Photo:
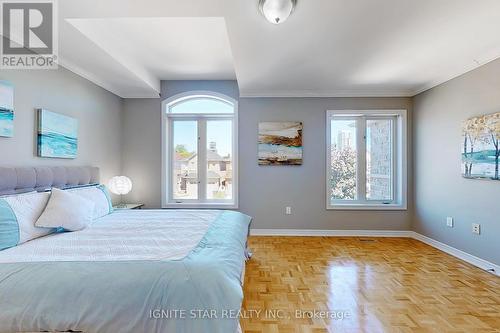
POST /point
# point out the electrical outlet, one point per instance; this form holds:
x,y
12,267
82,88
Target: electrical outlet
x,y
449,222
288,210
476,228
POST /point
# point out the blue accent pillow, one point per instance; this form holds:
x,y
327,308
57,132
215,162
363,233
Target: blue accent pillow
x,y
106,193
9,227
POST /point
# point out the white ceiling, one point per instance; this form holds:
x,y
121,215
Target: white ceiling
x,y
327,48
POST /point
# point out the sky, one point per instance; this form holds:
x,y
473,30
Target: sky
x,y
219,131
202,105
348,126
343,126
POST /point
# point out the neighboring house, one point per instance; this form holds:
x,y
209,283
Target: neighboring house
x,y
219,174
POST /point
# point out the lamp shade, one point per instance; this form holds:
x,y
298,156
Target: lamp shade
x,y
277,11
120,185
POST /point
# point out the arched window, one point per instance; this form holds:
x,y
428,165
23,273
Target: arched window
x,y
200,150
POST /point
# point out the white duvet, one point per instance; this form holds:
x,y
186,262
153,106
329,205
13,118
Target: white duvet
x,y
122,235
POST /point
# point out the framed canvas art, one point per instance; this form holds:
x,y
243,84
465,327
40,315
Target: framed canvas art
x,y
57,135
6,109
280,143
480,147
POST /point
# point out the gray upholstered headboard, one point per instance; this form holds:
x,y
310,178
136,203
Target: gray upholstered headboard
x,y
19,180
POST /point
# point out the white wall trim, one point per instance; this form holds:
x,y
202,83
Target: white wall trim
x,y
330,233
167,151
325,94
399,119
469,68
469,258
89,77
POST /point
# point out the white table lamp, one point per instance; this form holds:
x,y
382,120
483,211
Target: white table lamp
x,y
120,185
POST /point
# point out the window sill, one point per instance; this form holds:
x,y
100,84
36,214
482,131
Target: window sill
x,y
366,207
186,205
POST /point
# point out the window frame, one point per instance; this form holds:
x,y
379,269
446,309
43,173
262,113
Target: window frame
x,y
168,120
400,159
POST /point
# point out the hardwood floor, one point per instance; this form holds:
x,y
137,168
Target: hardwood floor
x,y
364,285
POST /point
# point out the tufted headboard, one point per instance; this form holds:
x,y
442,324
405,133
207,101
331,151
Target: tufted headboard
x,y
19,180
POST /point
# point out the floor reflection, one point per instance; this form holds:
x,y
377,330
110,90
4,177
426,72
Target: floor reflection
x,y
388,285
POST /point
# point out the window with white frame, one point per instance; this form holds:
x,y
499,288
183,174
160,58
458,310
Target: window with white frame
x,y
200,150
366,159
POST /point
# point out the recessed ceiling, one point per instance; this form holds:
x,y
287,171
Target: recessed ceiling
x,y
326,48
166,47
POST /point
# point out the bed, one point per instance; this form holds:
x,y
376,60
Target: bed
x,y
129,271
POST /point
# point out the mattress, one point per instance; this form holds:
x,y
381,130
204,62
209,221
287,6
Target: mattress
x,y
122,236
127,269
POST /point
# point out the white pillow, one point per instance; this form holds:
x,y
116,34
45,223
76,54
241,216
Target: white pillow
x,y
27,208
66,210
99,196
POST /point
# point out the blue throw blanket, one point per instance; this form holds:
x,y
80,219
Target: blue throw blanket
x,y
200,293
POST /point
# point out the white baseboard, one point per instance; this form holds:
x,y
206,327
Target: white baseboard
x,y
473,260
478,262
330,233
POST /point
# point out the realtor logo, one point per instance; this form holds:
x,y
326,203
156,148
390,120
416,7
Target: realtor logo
x,y
29,39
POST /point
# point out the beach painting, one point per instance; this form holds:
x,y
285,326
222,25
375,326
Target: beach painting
x,y
57,135
280,143
6,109
481,147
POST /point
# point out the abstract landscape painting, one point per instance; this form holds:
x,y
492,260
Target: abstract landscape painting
x,y
57,135
280,143
6,109
481,148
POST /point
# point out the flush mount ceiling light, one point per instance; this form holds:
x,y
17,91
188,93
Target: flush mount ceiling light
x,y
277,11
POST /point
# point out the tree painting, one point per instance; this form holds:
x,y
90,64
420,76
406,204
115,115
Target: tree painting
x,y
481,147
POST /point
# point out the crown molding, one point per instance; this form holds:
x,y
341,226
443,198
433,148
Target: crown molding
x,y
88,76
438,82
313,94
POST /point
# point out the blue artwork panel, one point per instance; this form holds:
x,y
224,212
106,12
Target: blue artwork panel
x,y
6,109
57,135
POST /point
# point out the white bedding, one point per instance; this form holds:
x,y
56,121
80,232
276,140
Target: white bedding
x,y
122,235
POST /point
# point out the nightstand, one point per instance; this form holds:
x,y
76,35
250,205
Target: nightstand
x,y
128,206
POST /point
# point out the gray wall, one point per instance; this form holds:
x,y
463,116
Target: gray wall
x,y
142,142
440,191
263,191
171,88
142,150
266,190
97,110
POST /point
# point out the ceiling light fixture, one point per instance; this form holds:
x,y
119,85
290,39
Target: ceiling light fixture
x,y
277,11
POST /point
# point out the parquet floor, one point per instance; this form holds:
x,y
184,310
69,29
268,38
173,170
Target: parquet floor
x,y
382,285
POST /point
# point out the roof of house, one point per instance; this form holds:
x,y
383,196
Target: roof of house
x,y
180,157
210,174
212,156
